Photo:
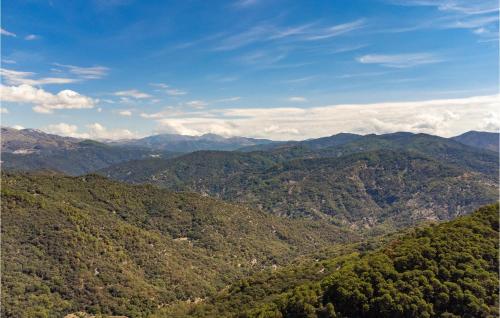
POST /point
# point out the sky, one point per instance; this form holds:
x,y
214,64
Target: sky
x,y
278,69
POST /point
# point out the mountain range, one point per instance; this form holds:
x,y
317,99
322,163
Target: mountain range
x,y
180,226
363,181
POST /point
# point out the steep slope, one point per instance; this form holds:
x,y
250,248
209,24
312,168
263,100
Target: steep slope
x,y
445,270
479,139
183,143
359,189
87,243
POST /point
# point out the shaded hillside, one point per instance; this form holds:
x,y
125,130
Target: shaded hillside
x,y
87,243
82,157
479,139
442,149
362,189
444,270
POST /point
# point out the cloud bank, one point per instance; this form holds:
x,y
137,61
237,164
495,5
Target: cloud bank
x,y
443,117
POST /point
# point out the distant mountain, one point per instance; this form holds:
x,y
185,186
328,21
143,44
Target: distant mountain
x,y
183,143
89,244
480,139
25,141
317,143
397,179
29,149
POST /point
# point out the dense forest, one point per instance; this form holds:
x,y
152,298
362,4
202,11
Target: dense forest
x,y
441,270
87,243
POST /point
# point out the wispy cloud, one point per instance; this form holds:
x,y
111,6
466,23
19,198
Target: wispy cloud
x,y
297,99
31,37
481,17
461,6
125,112
175,92
266,32
245,3
12,77
168,90
197,104
7,33
300,79
337,30
92,72
134,93
227,100
400,60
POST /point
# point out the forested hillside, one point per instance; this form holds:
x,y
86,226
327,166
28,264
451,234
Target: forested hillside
x,y
442,270
360,189
87,243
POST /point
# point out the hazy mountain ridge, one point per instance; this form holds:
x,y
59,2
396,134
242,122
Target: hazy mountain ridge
x,y
30,150
480,139
33,141
184,143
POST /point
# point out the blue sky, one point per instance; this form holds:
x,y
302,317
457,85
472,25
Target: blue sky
x,y
280,69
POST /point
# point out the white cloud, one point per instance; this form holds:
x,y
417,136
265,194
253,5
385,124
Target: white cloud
x,y
461,6
43,101
444,117
337,30
266,32
297,99
93,131
197,103
457,14
12,77
4,110
400,60
31,37
92,72
229,99
7,33
160,85
98,131
7,61
132,93
125,112
18,127
175,92
168,90
64,129
245,3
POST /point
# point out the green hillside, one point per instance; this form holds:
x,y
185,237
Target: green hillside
x,y
444,270
87,243
358,189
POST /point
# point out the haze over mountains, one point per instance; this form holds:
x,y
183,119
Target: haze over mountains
x,y
30,149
